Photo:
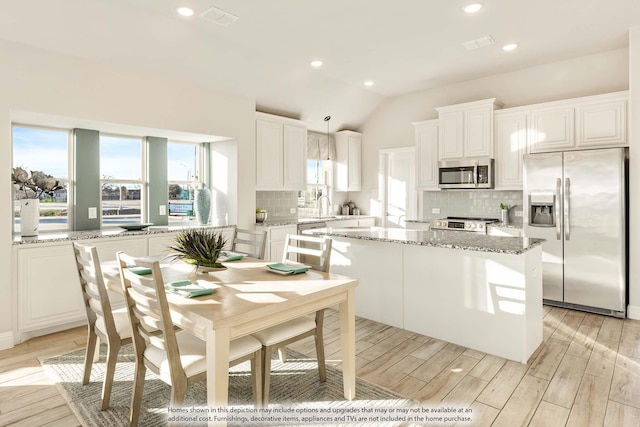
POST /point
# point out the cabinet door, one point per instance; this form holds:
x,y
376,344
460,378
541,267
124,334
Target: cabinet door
x,y
160,245
107,248
355,162
451,132
269,155
478,132
601,125
426,138
295,157
49,291
551,129
511,144
367,222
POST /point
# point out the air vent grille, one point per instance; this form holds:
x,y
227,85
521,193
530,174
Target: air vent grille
x,y
218,16
479,42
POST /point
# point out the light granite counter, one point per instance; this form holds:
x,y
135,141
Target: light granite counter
x,y
436,238
50,237
309,220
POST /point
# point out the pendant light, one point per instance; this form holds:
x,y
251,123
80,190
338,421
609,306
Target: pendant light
x,y
327,119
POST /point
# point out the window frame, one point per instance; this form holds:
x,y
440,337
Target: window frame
x,y
197,181
117,181
69,181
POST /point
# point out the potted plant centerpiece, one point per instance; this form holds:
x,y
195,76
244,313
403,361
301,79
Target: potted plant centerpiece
x,y
199,247
29,188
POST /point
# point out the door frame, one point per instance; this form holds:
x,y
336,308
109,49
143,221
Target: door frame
x,y
383,162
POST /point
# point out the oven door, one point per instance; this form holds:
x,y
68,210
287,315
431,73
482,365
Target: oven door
x,y
466,174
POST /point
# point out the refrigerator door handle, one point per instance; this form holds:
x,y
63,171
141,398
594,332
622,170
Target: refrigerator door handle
x,y
558,184
567,213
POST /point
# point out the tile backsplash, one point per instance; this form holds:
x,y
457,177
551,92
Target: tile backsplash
x,y
474,203
278,204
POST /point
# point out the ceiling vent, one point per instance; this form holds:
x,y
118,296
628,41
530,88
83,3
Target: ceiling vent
x,y
218,16
479,42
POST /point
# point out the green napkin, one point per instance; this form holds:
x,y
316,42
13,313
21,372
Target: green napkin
x,y
230,256
139,270
183,288
289,269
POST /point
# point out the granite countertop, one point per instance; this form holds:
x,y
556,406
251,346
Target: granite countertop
x,y
62,236
436,238
310,220
495,224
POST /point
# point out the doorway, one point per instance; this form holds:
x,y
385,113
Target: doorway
x,y
397,186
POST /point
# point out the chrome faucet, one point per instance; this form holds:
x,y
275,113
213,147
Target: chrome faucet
x,y
320,204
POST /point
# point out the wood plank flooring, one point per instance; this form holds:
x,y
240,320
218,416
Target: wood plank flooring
x,y
586,373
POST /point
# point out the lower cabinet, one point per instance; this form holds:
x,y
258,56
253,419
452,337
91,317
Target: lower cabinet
x,y
48,287
415,225
493,230
276,237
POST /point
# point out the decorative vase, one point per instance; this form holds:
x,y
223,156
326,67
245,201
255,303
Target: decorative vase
x,y
202,205
504,216
29,217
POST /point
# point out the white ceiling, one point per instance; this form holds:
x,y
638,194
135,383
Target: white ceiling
x,y
403,46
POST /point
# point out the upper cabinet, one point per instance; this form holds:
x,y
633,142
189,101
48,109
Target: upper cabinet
x,y
348,161
466,130
281,153
511,136
591,122
426,139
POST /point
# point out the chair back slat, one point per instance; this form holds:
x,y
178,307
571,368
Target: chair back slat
x,y
316,250
250,242
149,312
94,291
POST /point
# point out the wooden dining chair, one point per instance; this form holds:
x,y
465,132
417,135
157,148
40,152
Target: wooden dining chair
x,y
104,324
250,242
317,252
177,358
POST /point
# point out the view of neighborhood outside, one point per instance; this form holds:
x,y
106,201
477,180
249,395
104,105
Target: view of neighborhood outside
x,y
47,150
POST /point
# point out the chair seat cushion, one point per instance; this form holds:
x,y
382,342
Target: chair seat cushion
x,y
193,354
284,331
121,320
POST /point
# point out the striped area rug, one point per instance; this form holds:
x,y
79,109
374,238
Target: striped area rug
x,y
296,392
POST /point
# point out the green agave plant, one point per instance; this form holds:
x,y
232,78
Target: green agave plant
x,y
200,247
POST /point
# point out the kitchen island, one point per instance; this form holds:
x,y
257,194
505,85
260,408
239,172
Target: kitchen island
x,y
478,291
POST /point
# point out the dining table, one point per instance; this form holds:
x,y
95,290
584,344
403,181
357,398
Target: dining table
x,y
248,297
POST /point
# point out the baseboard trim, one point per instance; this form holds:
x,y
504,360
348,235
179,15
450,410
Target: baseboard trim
x,y
6,340
633,312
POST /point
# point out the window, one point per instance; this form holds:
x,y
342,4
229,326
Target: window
x,y
121,182
43,152
184,174
319,181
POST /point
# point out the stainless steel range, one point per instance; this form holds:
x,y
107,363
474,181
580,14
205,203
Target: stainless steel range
x,y
455,223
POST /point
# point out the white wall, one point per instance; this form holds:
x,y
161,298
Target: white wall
x,y
390,125
37,81
634,173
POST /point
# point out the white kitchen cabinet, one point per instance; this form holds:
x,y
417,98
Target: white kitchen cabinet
x,y
602,124
426,140
598,121
48,289
366,222
511,137
276,237
552,128
281,153
348,161
466,130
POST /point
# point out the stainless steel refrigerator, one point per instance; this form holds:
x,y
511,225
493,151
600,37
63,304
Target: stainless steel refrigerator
x,y
576,200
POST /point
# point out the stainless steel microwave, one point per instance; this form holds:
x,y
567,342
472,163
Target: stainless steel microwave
x,y
466,173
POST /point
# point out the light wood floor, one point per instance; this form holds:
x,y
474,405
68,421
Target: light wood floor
x,y
586,373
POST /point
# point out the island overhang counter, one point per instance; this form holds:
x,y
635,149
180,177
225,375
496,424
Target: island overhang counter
x,y
478,291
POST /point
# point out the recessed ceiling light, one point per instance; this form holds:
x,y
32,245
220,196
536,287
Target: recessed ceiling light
x,y
473,7
316,63
509,47
368,83
185,11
